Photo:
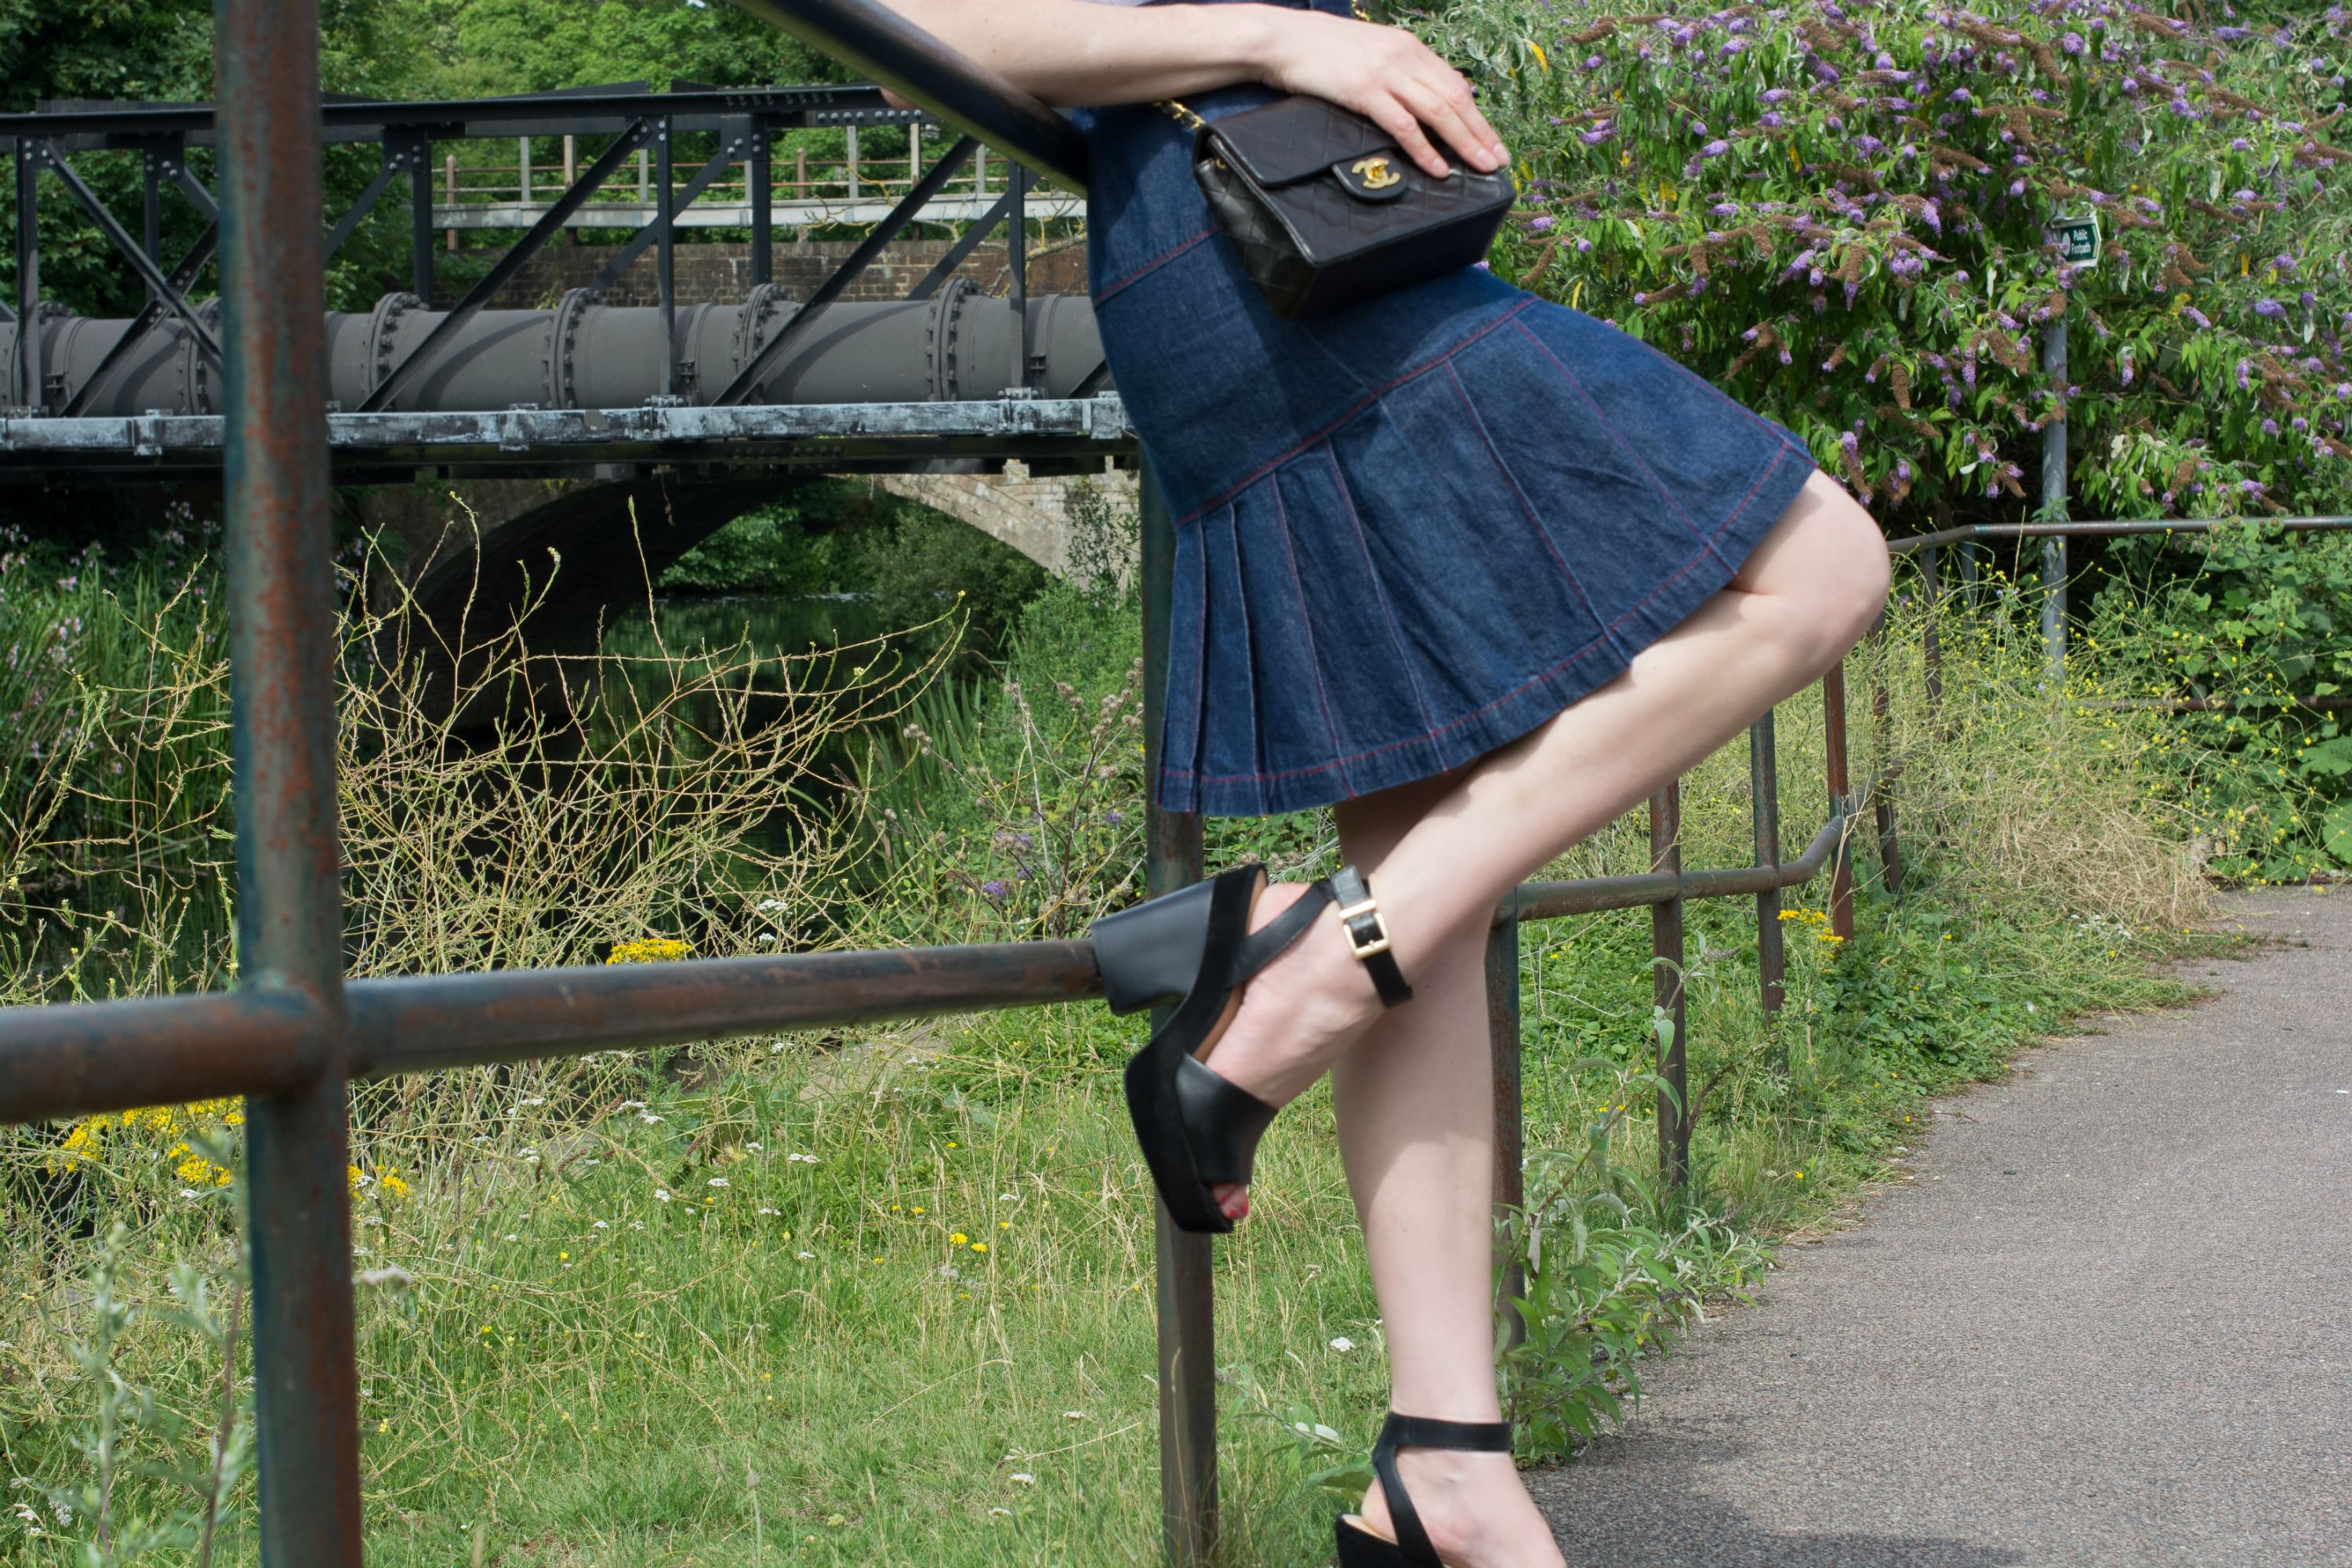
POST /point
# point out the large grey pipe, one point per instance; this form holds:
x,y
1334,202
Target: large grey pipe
x,y
959,344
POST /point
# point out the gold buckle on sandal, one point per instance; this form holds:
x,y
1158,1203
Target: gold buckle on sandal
x,y
1347,918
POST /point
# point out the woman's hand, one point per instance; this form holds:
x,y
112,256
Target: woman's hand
x,y
1390,77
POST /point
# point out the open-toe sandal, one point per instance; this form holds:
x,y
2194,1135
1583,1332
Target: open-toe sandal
x,y
1359,1547
1194,947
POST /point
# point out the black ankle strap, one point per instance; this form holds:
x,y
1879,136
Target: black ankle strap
x,y
1347,887
1425,1432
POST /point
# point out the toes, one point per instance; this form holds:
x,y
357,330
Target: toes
x,y
1232,1201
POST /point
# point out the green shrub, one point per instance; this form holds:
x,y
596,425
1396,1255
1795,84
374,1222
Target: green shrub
x,y
1836,215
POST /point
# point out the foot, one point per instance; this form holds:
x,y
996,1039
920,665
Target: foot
x,y
1297,1016
1475,1506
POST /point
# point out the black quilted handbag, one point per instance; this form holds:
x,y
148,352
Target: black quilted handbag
x,y
1326,210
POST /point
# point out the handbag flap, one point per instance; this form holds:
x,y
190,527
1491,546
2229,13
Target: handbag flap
x,y
1288,140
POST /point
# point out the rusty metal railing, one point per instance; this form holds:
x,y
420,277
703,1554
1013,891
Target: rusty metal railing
x,y
293,1036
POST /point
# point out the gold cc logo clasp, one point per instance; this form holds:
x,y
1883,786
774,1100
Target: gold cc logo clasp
x,y
1375,172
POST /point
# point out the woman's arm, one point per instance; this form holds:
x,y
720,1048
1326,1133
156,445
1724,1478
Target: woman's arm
x,y
1080,51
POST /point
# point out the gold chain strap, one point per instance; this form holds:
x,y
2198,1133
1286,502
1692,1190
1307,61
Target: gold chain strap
x,y
1178,111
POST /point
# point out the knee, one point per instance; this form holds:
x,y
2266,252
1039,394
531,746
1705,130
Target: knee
x,y
1851,576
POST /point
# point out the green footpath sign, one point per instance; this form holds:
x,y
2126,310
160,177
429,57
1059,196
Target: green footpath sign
x,y
2077,238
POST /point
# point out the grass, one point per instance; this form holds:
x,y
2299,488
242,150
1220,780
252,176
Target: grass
x,y
708,1305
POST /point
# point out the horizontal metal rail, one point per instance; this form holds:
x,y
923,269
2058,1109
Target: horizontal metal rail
x,y
1911,542
906,433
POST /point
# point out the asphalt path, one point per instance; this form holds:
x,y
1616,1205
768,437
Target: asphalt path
x,y
2107,1320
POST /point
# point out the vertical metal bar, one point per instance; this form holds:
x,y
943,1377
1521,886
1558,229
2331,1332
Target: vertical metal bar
x,y
851,163
759,182
570,159
2054,509
449,189
666,251
151,207
1016,246
420,215
1764,789
1666,991
1931,637
1510,1116
1185,1288
281,652
28,367
1841,799
1890,849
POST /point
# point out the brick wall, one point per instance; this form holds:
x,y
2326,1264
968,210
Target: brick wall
x,y
721,274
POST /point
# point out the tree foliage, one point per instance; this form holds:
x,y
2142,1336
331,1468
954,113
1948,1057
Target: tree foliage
x,y
1836,213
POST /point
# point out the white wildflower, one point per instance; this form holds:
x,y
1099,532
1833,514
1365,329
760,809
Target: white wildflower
x,y
1343,1344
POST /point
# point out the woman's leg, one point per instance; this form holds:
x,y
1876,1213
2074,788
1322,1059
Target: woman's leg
x,y
1415,1097
1415,1101
1803,599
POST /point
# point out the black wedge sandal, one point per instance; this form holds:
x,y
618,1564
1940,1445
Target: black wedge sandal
x,y
1196,1129
1359,1547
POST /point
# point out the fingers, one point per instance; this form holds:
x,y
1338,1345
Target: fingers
x,y
1448,109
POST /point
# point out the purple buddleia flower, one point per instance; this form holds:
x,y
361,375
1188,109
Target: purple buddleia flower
x,y
2245,367
1583,246
1772,95
1592,62
2196,315
1715,149
1594,137
2270,307
2071,43
993,890
2251,486
2130,85
1540,225
1725,209
1770,120
2269,428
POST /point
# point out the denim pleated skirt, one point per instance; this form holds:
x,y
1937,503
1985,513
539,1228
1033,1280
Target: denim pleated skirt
x,y
1409,532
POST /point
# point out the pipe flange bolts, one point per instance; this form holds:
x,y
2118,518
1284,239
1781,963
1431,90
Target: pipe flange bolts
x,y
384,328
941,332
767,310
561,367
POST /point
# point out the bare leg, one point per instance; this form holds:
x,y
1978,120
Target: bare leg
x,y
1801,600
1414,1099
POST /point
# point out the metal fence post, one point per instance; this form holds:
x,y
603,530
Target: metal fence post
x,y
29,372
1890,847
1841,799
281,652
1184,1287
1666,990
2054,507
1510,1124
1764,792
